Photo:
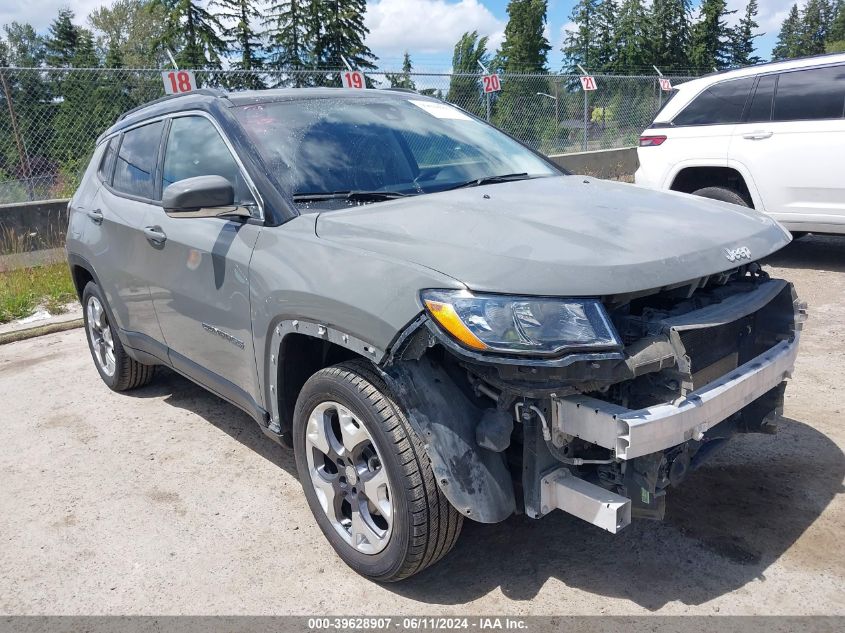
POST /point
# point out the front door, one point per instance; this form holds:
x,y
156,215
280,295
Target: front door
x,y
199,271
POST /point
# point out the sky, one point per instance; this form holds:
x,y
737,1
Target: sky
x,y
428,29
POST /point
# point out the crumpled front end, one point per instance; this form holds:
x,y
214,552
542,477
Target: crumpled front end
x,y
604,434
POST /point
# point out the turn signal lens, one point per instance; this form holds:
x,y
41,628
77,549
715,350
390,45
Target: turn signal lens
x,y
449,320
651,141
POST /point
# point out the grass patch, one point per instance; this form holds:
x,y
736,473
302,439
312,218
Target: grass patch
x,y
22,290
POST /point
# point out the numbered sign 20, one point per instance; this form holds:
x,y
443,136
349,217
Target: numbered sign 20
x,y
665,84
353,79
491,83
588,82
178,81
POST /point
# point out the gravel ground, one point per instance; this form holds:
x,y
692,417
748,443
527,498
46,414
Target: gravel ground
x,y
170,501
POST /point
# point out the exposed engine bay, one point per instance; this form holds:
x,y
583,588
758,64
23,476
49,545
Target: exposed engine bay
x,y
604,434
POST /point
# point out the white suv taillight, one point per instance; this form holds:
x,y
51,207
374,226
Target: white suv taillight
x,y
651,141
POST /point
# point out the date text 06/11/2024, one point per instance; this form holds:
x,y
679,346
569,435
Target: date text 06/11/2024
x,y
429,623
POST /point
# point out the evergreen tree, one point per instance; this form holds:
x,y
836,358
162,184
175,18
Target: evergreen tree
x,y
341,34
743,36
631,40
710,41
604,29
788,44
403,80
196,28
669,34
464,87
836,36
579,46
240,37
134,27
62,40
815,23
291,37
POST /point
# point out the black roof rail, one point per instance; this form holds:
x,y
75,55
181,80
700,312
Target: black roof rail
x,y
209,92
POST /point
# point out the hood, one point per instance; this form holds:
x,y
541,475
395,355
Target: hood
x,y
566,235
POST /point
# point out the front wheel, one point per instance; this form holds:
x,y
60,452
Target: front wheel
x,y
366,476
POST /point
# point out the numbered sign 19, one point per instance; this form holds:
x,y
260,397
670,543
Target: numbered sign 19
x,y
665,84
491,83
588,82
178,81
353,79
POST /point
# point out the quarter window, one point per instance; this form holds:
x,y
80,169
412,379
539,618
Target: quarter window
x,y
719,104
195,148
761,104
136,161
803,95
109,157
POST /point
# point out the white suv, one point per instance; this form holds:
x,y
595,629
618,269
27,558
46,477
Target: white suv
x,y
770,136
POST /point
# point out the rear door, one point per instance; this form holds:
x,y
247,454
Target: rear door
x,y
793,143
119,211
199,272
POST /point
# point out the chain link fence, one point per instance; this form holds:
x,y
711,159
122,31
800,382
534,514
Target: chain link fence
x,y
50,118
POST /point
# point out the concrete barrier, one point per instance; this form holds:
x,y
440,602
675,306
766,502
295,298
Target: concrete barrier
x,y
619,164
33,225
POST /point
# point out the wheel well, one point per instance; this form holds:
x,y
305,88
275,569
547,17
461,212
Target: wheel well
x,y
81,276
691,179
300,357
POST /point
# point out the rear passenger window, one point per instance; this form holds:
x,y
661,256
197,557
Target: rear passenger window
x,y
107,162
195,148
721,103
761,104
805,95
136,161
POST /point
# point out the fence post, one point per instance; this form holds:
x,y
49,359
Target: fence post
x,y
488,106
27,172
586,115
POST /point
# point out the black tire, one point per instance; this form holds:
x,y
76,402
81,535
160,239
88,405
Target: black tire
x,y
128,373
425,525
722,193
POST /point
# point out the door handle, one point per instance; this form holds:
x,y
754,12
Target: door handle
x,y
96,216
757,135
155,235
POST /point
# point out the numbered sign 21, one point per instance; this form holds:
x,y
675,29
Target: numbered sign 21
x,y
491,83
665,84
353,79
588,82
178,81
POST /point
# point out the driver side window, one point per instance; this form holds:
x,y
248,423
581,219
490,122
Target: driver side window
x,y
195,148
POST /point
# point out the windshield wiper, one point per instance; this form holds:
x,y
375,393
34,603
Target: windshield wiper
x,y
489,180
355,196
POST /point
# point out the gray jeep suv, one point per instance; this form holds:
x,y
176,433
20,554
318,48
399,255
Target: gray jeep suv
x,y
441,323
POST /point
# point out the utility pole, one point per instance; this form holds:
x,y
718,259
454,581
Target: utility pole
x,y
24,158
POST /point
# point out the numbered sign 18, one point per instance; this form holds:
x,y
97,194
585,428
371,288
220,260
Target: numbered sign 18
x,y
588,82
665,84
491,83
178,81
353,79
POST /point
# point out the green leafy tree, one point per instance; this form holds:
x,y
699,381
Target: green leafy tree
x,y
579,45
631,40
788,44
743,36
711,37
669,34
403,80
194,30
464,85
62,40
836,37
135,27
339,33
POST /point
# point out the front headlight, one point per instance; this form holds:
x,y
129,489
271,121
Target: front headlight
x,y
521,325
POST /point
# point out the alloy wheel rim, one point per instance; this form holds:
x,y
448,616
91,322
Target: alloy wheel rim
x,y
349,477
100,335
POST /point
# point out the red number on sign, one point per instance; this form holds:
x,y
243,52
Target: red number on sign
x,y
180,82
665,84
588,82
353,79
491,83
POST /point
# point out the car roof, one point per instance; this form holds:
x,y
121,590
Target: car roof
x,y
690,89
210,99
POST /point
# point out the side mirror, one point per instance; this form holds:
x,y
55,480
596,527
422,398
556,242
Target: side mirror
x,y
202,197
